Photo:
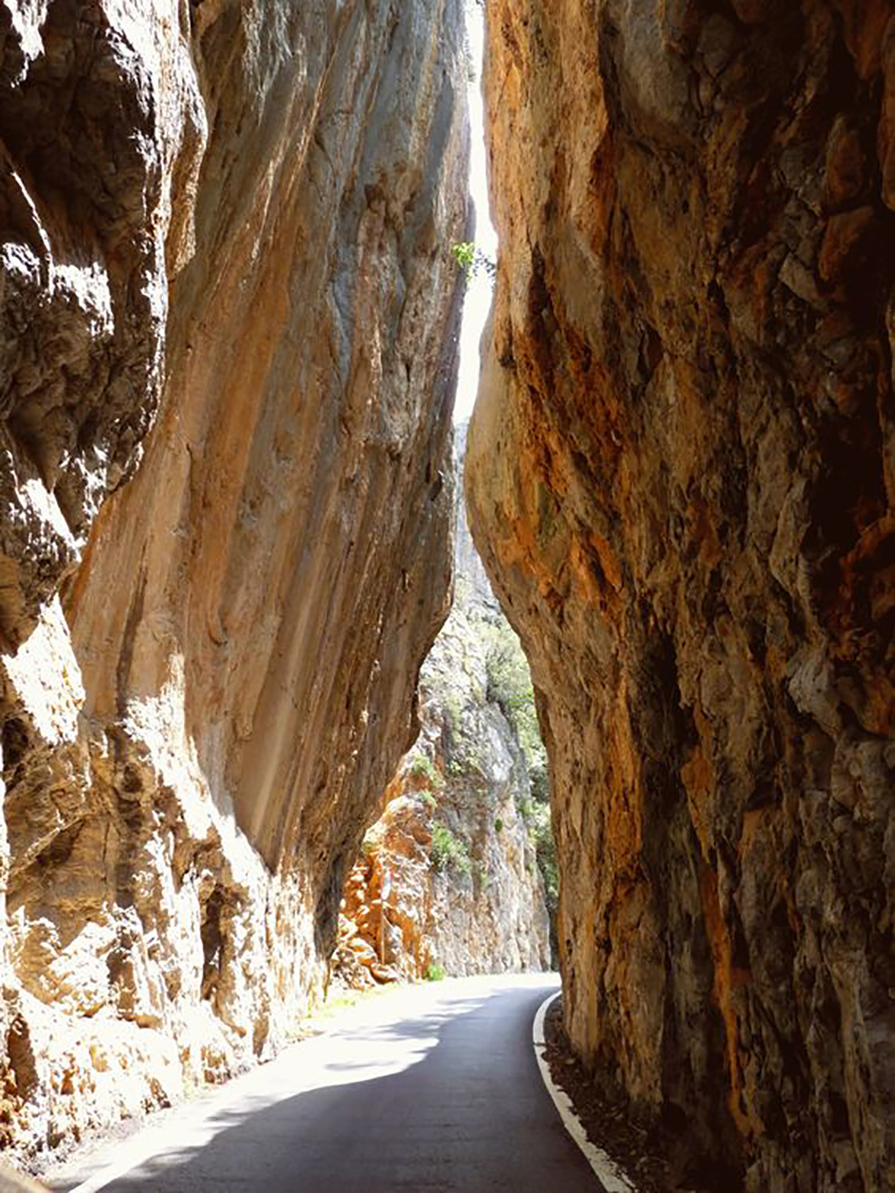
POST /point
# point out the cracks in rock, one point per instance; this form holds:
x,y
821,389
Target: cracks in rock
x,y
21,1058
128,640
15,747
212,935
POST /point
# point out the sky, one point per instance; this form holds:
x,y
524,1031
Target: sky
x,y
478,290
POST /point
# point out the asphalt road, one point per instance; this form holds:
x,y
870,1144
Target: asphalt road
x,y
436,1091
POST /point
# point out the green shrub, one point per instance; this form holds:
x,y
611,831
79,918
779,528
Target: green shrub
x,y
539,778
498,825
435,972
464,255
453,711
540,831
510,687
449,852
471,260
481,877
429,800
423,770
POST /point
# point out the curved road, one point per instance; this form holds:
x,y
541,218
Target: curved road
x,y
435,1089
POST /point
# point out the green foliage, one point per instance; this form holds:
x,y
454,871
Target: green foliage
x,y
435,972
509,680
498,825
464,255
367,846
453,712
539,777
424,770
449,852
472,260
481,877
510,686
429,800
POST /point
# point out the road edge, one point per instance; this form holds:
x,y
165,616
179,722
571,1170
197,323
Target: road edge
x,y
610,1175
98,1168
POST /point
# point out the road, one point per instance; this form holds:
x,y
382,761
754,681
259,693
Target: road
x,y
435,1090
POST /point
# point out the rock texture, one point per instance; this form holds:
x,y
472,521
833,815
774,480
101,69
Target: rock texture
x,y
681,476
102,129
448,879
242,212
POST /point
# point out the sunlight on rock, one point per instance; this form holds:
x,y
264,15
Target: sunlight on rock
x,y
271,729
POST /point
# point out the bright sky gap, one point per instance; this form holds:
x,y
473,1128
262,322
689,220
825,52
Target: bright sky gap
x,y
478,290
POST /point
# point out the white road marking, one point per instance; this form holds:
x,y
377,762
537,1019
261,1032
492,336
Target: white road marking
x,y
608,1172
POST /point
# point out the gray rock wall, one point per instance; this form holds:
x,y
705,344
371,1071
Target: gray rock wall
x,y
102,130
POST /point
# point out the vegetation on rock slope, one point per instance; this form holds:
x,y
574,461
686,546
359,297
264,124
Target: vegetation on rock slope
x,y
450,877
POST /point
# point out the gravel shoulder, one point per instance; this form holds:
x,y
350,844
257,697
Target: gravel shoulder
x,y
655,1157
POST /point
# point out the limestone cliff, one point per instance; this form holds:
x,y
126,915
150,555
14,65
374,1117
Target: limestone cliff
x,y
681,476
448,877
239,213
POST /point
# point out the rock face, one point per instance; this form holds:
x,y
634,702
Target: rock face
x,y
448,879
681,474
102,129
242,212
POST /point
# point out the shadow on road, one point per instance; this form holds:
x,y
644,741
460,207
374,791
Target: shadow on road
x,y
450,1100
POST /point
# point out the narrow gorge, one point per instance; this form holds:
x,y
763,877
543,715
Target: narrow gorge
x,y
261,735
457,874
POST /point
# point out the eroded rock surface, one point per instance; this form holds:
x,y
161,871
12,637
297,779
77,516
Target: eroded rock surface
x,y
681,474
102,129
193,734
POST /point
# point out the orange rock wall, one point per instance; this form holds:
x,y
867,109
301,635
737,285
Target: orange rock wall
x,y
681,474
